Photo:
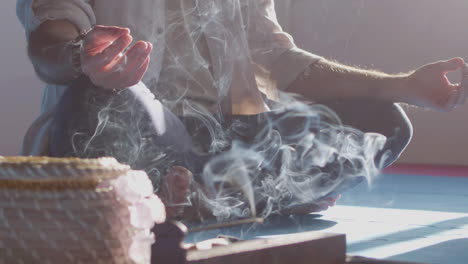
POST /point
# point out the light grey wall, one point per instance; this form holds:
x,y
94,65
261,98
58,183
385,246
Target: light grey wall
x,y
394,36
20,89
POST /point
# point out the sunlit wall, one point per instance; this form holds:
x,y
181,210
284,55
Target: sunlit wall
x,y
394,36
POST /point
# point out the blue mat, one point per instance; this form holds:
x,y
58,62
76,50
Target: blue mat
x,y
401,217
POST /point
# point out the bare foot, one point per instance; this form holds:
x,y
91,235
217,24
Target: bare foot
x,y
181,194
178,186
176,190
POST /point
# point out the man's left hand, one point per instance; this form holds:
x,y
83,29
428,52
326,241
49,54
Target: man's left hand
x,y
429,86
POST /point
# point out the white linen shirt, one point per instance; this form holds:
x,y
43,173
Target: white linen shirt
x,y
249,51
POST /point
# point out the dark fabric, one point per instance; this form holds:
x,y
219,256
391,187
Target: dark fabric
x,y
388,119
365,115
130,126
138,130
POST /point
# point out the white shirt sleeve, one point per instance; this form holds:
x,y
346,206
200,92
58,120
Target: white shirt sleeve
x,y
273,49
32,13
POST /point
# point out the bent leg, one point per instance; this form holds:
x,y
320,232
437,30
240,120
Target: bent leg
x,y
130,126
324,158
388,119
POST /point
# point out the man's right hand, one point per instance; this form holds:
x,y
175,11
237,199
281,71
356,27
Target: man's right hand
x,y
107,64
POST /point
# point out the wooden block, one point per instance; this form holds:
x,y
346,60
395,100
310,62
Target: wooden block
x,y
303,248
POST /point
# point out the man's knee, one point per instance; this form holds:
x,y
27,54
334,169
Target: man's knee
x,y
400,138
386,118
91,122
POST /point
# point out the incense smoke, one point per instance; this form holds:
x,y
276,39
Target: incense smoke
x,y
291,166
282,164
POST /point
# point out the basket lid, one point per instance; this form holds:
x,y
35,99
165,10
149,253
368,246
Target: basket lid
x,y
47,169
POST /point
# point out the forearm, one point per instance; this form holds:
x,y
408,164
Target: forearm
x,y
50,51
327,80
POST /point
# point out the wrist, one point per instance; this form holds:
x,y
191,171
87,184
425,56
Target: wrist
x,y
396,89
76,47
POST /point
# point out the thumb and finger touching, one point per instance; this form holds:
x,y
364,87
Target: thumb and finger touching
x,y
456,94
446,65
451,65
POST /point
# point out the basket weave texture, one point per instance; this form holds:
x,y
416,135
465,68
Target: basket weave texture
x,y
53,211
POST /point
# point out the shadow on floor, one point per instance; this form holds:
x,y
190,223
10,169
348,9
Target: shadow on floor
x,y
418,232
454,252
274,225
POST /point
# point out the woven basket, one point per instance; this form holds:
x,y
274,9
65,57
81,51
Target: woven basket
x,y
53,211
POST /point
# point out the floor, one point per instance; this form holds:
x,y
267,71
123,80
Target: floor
x,y
401,217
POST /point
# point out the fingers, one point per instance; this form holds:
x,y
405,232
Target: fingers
x,y
465,71
453,96
460,93
138,59
456,94
101,37
456,98
134,56
110,54
131,67
110,30
175,190
103,62
429,86
135,77
450,65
